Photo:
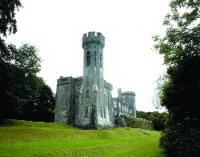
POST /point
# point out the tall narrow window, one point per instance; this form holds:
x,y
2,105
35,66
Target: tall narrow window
x,y
86,112
88,58
101,112
87,93
104,112
95,59
101,61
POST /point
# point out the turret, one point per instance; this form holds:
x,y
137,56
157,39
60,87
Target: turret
x,y
92,37
93,44
93,108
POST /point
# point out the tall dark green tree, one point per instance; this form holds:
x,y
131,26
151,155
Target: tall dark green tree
x,y
7,26
23,95
40,103
181,93
7,23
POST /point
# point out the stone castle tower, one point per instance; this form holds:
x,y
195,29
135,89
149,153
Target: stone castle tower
x,y
93,109
87,101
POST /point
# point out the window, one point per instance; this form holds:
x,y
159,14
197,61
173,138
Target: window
x,y
115,104
86,112
95,59
76,100
88,58
101,113
104,112
101,61
87,93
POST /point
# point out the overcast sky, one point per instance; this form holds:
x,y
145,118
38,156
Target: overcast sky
x,y
56,27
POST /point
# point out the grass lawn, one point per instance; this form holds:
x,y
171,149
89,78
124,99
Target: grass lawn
x,y
38,139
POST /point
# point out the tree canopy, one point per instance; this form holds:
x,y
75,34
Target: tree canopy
x,y
7,18
180,93
182,32
23,94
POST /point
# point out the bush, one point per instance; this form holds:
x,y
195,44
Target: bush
x,y
181,141
159,120
138,123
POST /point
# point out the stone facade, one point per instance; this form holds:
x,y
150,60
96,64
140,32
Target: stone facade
x,y
87,101
124,104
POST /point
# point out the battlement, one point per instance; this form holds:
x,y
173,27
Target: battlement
x,y
128,93
68,80
64,80
93,37
108,85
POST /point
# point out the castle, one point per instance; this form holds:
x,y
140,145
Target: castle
x,y
87,101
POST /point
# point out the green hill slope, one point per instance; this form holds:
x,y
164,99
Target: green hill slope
x,y
38,139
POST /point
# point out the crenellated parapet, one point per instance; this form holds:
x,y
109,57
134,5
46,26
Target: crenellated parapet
x,y
93,37
128,93
108,85
64,80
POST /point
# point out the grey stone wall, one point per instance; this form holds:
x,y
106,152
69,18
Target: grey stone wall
x,y
63,99
67,99
124,104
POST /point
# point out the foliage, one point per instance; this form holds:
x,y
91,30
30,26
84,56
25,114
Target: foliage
x,y
7,18
159,120
138,123
41,105
143,123
130,122
7,23
181,140
181,51
120,121
23,95
23,138
182,35
24,57
161,82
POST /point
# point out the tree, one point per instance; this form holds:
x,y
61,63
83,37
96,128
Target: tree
x,y
41,104
15,78
45,104
180,95
24,95
7,18
7,26
159,120
7,22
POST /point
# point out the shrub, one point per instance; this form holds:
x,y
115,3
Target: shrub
x,y
181,141
138,123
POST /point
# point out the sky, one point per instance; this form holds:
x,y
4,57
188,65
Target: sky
x,y
56,27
